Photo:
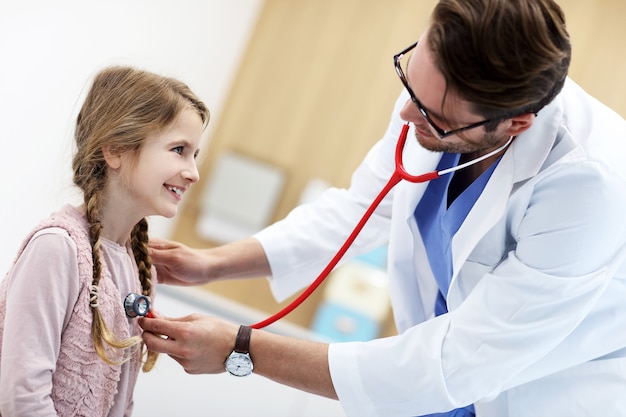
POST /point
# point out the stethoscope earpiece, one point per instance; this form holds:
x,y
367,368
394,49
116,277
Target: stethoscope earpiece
x,y
137,305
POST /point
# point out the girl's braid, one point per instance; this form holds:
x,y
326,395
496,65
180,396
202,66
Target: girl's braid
x,y
100,332
139,244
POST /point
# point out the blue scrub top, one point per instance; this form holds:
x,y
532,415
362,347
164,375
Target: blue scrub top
x,y
437,224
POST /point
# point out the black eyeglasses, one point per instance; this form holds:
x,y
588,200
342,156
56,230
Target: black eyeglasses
x,y
441,132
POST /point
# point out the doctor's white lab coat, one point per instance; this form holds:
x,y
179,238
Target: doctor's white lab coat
x,y
537,304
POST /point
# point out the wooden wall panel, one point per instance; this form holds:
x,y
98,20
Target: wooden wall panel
x,y
598,34
316,87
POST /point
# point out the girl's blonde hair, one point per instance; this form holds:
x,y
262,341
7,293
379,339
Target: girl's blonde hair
x,y
123,107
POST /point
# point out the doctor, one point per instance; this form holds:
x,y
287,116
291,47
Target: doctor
x,y
507,278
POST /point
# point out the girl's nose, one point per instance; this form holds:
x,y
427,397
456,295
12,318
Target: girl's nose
x,y
191,174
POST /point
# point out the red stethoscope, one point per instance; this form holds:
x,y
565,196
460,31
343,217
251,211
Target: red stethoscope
x,y
399,173
139,305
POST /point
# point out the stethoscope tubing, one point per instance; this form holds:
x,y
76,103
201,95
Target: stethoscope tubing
x,y
333,262
399,173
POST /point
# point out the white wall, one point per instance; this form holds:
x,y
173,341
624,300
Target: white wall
x,y
49,51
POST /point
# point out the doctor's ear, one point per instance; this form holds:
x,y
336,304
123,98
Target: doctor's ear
x,y
112,156
520,123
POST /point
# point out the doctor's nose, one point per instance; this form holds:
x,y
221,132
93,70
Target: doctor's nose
x,y
410,113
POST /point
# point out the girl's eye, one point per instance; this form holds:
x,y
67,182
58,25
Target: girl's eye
x,y
178,150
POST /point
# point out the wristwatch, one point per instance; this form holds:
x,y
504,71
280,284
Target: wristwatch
x,y
239,362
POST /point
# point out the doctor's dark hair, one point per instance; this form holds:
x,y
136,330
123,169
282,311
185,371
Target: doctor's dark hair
x,y
506,57
123,106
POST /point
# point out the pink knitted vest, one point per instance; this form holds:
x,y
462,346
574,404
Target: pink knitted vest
x,y
83,384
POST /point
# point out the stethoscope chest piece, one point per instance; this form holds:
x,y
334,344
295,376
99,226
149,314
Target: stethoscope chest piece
x,y
137,305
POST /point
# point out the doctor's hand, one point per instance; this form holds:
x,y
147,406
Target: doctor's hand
x,y
178,264
200,344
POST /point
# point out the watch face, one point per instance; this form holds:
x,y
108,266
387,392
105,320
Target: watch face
x,y
239,364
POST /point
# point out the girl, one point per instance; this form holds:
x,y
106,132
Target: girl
x,y
66,345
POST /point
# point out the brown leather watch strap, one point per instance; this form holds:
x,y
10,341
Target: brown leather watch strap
x,y
242,343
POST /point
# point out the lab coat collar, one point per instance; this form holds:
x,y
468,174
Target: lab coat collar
x,y
530,149
523,159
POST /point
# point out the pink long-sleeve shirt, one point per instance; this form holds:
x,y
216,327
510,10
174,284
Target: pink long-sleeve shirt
x,y
42,291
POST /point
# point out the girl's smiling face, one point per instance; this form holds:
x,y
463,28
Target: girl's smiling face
x,y
154,181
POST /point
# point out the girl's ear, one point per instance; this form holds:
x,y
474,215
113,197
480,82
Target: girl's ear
x,y
112,156
520,123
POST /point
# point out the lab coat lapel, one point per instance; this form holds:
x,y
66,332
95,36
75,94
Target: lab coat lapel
x,y
487,210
